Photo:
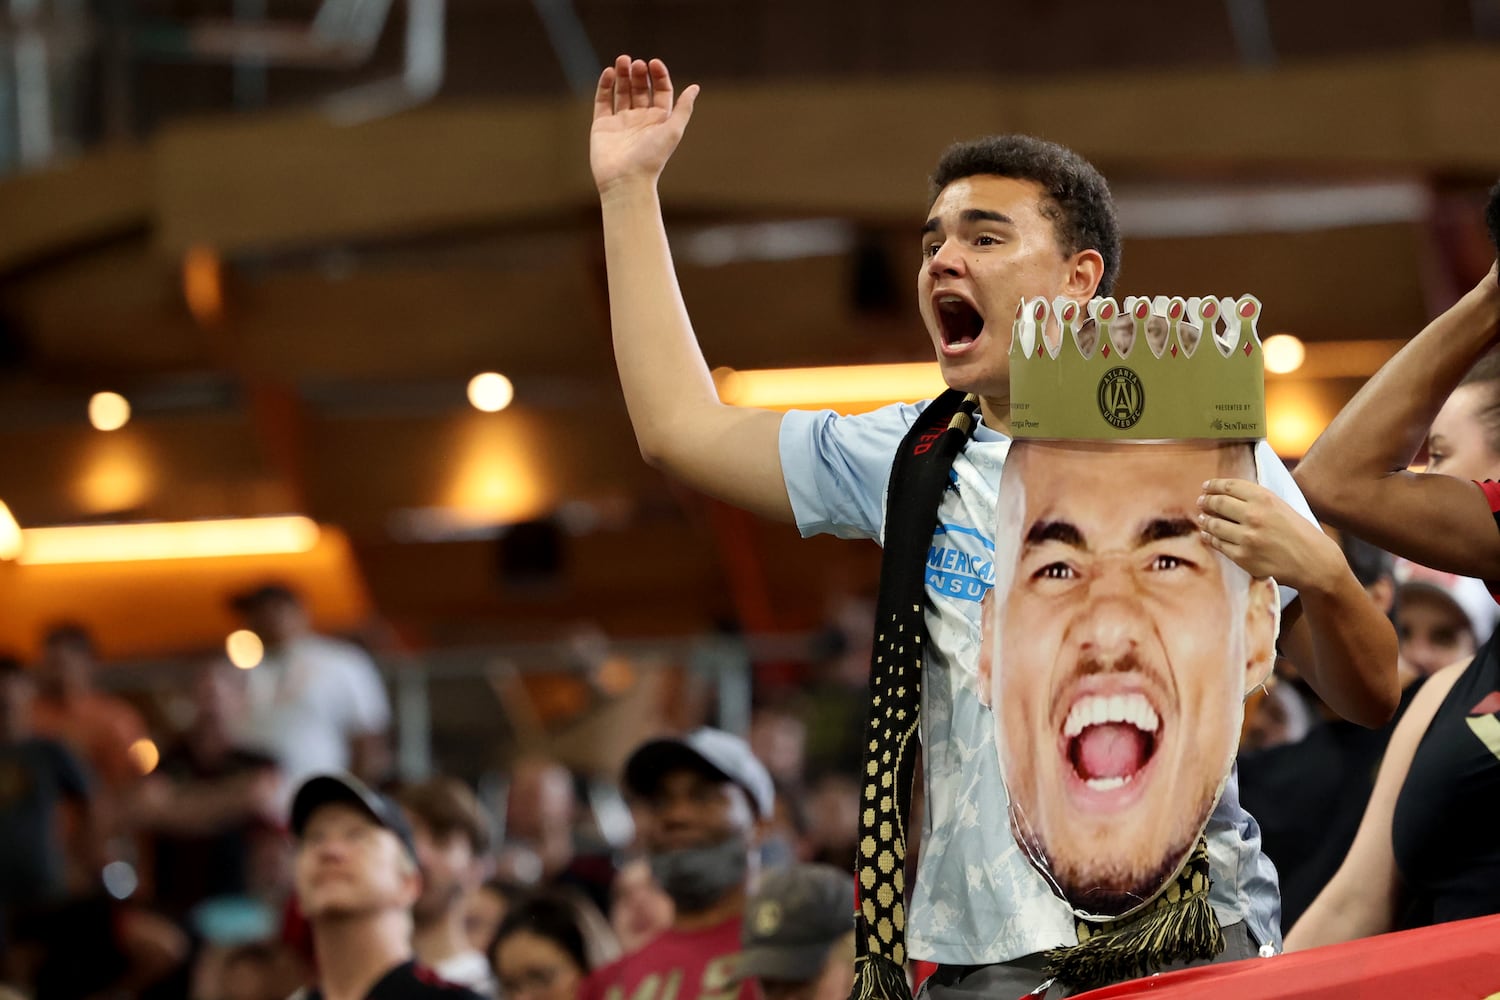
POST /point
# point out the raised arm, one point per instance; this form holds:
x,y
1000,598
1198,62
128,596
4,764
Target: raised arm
x,y
1360,900
1355,477
680,424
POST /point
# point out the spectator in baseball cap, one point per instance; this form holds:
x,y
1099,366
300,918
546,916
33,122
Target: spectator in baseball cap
x,y
798,934
701,803
1441,618
357,879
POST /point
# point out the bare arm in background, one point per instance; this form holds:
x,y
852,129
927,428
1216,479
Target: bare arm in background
x,y
1355,477
1360,900
681,426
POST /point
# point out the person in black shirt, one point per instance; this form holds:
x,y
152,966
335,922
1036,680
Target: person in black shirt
x,y
357,879
208,801
1426,850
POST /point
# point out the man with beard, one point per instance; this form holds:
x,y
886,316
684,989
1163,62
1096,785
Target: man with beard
x,y
451,834
1126,646
700,801
357,879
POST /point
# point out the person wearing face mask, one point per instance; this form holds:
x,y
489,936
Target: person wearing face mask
x,y
701,800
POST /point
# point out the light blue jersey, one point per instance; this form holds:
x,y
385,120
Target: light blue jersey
x,y
977,900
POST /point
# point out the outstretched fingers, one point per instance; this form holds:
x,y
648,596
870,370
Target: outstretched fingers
x,y
621,97
683,110
661,84
640,84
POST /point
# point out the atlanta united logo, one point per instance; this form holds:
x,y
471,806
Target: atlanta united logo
x,y
1121,398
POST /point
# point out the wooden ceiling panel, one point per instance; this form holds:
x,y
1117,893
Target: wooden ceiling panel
x,y
204,465
776,314
1335,284
119,308
417,322
506,466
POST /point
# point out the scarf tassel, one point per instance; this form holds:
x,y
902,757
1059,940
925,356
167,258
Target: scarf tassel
x,y
878,978
1183,933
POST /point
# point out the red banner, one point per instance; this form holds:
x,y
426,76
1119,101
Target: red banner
x,y
1457,961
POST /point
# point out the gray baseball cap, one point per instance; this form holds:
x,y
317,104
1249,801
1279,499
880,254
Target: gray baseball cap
x,y
792,921
719,752
345,789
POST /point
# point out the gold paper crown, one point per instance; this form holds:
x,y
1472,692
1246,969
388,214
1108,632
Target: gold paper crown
x,y
1157,369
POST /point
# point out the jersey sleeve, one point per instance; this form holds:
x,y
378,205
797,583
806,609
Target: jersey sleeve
x,y
836,468
1275,477
1492,495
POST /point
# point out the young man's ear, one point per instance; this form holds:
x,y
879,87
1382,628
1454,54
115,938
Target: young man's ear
x,y
1087,272
1262,616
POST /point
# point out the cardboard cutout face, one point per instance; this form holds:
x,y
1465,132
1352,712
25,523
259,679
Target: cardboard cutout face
x,y
1118,650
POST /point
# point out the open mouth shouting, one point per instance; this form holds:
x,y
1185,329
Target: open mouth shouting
x,y
959,321
1109,740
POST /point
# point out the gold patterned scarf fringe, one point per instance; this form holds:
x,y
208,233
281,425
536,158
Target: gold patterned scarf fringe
x,y
1179,926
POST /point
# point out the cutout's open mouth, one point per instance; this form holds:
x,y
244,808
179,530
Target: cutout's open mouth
x,y
1110,739
958,320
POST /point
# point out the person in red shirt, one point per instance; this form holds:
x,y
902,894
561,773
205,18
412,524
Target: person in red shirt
x,y
701,801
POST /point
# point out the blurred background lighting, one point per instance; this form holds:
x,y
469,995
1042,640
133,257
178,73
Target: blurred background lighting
x,y
10,533
108,411
1284,353
203,285
144,755
785,388
491,392
101,543
1291,430
120,879
244,649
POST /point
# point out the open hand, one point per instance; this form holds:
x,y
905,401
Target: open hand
x,y
1264,536
636,124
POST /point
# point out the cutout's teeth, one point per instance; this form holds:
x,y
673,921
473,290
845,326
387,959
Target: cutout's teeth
x,y
1098,710
1075,723
1117,709
1108,784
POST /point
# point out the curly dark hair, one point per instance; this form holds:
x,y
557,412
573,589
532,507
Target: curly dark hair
x,y
1078,200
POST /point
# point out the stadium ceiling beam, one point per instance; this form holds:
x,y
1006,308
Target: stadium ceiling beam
x,y
858,149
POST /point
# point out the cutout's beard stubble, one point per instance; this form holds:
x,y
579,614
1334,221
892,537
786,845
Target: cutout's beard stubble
x,y
1098,885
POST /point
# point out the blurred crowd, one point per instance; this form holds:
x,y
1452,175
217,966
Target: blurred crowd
x,y
182,873
158,861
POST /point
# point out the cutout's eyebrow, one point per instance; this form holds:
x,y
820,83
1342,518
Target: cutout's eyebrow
x,y
969,215
1055,531
1162,529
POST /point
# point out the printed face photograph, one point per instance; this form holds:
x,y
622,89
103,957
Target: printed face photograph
x,y
1188,335
1122,333
1156,333
1117,652
1088,337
